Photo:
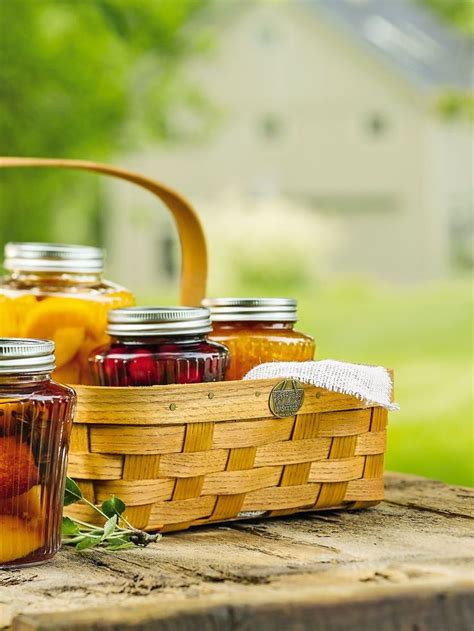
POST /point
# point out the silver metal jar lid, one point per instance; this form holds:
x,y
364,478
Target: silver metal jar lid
x,y
158,321
252,309
23,355
53,257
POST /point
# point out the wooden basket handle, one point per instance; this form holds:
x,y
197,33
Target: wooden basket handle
x,y
191,235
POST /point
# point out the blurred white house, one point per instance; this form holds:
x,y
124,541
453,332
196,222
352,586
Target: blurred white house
x,y
329,105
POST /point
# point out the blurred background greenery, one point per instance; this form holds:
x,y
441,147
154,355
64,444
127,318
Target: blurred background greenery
x,y
157,85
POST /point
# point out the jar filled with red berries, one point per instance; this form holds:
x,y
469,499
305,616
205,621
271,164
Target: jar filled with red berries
x,y
156,346
35,423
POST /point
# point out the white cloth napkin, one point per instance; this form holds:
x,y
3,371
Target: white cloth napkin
x,y
371,384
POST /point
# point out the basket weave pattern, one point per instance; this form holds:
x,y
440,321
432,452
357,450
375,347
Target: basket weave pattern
x,y
217,452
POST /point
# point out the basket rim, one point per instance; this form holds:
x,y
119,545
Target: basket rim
x,y
197,386
199,403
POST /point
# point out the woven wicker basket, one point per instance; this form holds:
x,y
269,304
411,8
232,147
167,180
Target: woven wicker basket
x,y
188,455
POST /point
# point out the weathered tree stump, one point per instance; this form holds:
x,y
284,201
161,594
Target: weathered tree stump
x,y
406,564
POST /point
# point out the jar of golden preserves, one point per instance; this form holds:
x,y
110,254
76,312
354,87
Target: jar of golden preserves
x,y
57,292
258,330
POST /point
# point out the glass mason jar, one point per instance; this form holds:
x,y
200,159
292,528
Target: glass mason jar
x,y
57,292
35,422
158,345
258,330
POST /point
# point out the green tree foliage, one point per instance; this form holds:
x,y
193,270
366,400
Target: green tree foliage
x,y
457,13
89,79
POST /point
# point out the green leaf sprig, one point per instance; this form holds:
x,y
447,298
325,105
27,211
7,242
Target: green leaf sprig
x,y
112,535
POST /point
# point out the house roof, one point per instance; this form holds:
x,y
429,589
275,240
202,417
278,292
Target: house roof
x,y
407,37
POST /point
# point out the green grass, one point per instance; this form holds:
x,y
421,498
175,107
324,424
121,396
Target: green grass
x,y
425,335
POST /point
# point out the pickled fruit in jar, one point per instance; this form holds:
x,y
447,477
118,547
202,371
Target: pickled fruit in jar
x,y
56,292
27,505
31,441
75,325
18,470
158,346
19,537
35,422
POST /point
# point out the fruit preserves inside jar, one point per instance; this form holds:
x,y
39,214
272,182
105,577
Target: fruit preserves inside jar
x,y
258,330
157,346
35,423
57,292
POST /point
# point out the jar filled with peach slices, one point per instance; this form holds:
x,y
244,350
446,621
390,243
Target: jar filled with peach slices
x,y
57,292
35,422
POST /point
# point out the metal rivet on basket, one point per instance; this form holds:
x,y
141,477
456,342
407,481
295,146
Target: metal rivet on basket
x,y
257,394
211,395
172,407
318,395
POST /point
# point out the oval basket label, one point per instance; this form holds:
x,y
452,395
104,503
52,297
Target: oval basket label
x,y
286,398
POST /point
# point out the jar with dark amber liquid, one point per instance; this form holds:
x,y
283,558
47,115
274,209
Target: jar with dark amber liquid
x,y
35,422
258,330
57,292
156,346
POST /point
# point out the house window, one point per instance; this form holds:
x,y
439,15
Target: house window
x,y
376,124
267,35
353,203
167,262
270,126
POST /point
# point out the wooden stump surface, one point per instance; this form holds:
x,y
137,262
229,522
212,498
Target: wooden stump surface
x,y
406,564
